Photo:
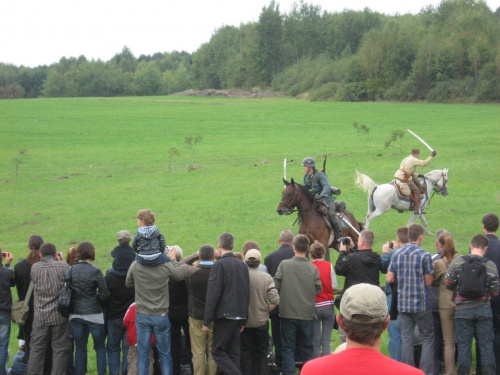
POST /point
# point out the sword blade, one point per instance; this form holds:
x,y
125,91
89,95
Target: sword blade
x,y
284,169
421,140
348,223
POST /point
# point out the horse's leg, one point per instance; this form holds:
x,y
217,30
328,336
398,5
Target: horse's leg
x,y
412,219
424,223
373,215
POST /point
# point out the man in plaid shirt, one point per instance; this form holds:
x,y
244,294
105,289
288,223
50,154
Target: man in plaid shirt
x,y
412,267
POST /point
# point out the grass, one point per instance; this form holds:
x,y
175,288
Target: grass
x,y
92,163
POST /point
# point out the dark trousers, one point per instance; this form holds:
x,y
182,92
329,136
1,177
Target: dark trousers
x,y
226,345
438,344
276,335
176,348
254,346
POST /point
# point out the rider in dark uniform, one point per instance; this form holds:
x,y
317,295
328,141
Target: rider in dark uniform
x,y
317,182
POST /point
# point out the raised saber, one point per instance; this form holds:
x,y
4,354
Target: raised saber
x,y
284,170
421,140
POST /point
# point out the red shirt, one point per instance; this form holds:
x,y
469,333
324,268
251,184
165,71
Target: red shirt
x,y
354,361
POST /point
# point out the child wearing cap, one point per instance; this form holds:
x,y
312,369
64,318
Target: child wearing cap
x,y
148,241
123,254
18,366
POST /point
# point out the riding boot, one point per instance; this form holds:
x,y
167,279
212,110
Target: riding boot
x,y
416,207
336,228
333,220
419,185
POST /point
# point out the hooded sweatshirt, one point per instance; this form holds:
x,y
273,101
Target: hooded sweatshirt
x,y
148,240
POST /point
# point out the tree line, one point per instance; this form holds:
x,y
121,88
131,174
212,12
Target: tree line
x,y
448,53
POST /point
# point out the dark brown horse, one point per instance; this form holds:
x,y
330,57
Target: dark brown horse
x,y
311,222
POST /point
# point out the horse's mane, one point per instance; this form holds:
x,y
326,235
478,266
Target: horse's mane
x,y
306,192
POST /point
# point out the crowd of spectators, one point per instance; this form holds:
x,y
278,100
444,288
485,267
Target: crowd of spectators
x,y
155,311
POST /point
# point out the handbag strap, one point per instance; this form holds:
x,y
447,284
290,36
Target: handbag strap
x,y
28,294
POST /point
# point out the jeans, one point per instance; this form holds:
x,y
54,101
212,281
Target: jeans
x,y
296,334
475,321
81,329
4,341
425,325
159,325
395,341
322,328
117,334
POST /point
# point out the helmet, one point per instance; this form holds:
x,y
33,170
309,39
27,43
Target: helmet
x,y
309,162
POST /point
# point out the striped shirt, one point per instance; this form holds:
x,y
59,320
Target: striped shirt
x,y
48,277
410,264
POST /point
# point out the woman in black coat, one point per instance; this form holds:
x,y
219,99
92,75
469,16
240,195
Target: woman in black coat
x,y
88,293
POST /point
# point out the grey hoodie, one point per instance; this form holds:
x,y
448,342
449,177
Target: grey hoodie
x,y
148,240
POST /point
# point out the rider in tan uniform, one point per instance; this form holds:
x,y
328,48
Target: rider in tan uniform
x,y
406,173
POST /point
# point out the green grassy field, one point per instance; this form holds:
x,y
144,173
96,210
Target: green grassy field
x,y
92,163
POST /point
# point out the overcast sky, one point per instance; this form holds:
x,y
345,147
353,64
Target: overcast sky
x,y
37,32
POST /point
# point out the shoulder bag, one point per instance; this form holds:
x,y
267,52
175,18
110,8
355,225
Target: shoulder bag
x,y
20,309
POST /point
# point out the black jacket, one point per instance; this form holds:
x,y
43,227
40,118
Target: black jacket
x,y
363,266
88,289
6,282
228,290
120,296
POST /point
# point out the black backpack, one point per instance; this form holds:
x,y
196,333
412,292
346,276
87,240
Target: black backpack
x,y
473,277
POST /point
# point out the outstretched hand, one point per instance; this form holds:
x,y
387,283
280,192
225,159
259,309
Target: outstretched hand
x,y
434,153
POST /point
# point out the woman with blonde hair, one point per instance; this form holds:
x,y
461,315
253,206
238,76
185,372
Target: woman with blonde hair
x,y
446,305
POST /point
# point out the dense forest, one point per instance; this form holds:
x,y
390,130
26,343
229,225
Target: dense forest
x,y
449,53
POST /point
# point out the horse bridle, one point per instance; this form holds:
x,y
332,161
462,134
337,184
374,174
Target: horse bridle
x,y
289,208
435,190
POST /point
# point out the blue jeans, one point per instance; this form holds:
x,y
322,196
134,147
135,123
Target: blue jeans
x,y
297,335
469,322
425,324
117,334
81,329
394,330
323,327
160,326
4,341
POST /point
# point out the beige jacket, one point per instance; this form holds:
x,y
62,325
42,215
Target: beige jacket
x,y
409,164
262,293
445,294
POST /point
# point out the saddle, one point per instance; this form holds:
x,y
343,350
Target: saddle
x,y
322,209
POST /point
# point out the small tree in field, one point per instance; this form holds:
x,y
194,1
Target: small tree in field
x,y
362,131
396,140
173,153
191,142
18,160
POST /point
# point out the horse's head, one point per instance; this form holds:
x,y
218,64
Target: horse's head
x,y
289,198
441,182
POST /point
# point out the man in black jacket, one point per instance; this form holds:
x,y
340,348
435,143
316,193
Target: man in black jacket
x,y
227,300
197,283
361,266
272,262
120,298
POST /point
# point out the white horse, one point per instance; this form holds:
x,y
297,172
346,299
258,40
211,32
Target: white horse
x,y
382,198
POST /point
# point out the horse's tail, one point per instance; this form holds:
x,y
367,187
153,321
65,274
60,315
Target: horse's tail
x,y
364,182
